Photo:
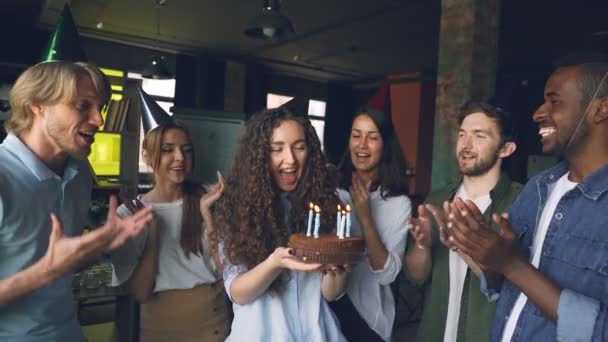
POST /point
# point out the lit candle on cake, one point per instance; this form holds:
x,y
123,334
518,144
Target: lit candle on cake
x,y
342,224
309,227
317,221
338,218
347,220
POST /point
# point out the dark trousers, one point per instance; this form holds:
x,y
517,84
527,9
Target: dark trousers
x,y
353,327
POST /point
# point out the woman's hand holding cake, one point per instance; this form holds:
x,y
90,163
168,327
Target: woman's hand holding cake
x,y
283,257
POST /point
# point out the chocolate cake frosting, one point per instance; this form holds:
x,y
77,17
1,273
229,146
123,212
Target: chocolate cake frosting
x,y
328,249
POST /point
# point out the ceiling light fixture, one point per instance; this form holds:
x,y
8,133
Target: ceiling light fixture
x,y
270,24
156,68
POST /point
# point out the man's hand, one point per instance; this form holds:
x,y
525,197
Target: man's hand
x,y
474,237
421,228
441,218
66,253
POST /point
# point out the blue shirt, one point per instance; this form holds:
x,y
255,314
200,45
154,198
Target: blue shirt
x,y
29,192
574,256
298,314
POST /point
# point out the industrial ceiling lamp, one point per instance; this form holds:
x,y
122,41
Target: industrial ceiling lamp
x,y
270,24
156,67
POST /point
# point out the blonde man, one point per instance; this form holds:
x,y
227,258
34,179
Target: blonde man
x,y
44,199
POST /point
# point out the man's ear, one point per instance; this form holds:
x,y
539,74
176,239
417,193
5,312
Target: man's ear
x,y
507,149
601,114
37,109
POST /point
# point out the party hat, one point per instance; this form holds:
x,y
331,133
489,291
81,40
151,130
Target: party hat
x,y
152,114
297,105
65,43
381,101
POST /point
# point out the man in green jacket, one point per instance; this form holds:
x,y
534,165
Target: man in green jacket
x,y
455,309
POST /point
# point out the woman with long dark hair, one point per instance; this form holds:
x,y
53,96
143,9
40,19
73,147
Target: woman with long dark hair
x,y
373,180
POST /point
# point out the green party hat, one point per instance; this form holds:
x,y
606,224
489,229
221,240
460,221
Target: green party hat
x,y
65,43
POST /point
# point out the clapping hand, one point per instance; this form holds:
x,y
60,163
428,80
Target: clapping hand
x,y
359,192
472,234
421,228
442,218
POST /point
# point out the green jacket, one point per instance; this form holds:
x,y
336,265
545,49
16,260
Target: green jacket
x,y
476,313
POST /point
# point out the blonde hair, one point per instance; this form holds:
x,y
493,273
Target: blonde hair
x,y
50,83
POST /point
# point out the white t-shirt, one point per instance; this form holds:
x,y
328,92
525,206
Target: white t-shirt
x,y
458,272
556,191
370,290
175,269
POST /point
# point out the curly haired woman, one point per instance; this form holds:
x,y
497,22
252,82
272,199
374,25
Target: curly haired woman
x,y
278,169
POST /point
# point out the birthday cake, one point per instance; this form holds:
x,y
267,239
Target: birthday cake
x,y
327,249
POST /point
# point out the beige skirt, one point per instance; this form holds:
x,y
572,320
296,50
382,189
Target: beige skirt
x,y
200,314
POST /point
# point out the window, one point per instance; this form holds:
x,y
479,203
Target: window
x,y
316,111
163,92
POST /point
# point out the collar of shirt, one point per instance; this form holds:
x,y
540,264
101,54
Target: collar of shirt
x,y
501,188
591,187
22,152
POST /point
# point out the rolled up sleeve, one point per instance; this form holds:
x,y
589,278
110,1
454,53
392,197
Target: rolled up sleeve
x,y
393,226
230,271
389,272
580,318
490,293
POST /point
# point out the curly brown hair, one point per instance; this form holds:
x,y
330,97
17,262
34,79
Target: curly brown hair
x,y
250,215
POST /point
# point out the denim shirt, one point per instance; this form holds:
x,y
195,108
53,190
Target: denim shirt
x,y
574,256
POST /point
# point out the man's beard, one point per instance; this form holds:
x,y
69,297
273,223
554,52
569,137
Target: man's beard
x,y
61,138
576,143
481,166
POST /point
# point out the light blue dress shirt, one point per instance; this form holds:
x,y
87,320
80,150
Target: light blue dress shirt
x,y
298,314
29,192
